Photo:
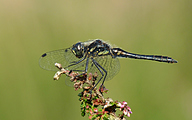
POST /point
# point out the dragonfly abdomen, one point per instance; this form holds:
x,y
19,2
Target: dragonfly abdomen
x,y
117,52
158,58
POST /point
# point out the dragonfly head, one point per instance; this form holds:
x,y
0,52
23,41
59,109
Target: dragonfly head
x,y
78,49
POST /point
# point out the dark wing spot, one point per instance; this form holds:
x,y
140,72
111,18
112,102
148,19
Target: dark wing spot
x,y
66,50
44,55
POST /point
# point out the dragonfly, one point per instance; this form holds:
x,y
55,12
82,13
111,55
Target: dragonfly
x,y
93,56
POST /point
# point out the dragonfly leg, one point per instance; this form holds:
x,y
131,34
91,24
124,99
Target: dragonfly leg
x,y
86,68
87,63
99,67
75,63
76,70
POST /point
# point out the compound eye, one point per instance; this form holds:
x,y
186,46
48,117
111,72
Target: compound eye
x,y
78,50
79,47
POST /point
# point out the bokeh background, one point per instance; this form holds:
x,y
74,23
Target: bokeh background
x,y
154,91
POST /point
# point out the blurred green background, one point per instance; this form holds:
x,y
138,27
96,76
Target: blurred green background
x,y
154,91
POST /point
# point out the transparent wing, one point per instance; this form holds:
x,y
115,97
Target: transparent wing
x,y
76,68
111,65
65,57
62,56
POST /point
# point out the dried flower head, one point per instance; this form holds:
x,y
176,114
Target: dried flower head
x,y
92,101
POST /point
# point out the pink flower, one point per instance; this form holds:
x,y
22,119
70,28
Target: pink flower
x,y
122,106
125,112
119,104
95,110
125,103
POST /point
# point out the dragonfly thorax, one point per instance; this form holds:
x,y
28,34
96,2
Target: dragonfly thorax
x,y
78,50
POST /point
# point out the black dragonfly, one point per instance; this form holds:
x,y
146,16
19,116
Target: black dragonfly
x,y
93,56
